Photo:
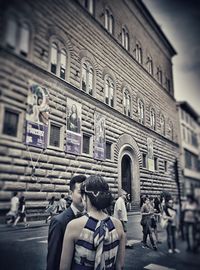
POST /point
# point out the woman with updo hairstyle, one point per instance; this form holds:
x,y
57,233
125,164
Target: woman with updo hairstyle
x,y
95,240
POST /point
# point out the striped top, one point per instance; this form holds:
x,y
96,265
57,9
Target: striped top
x,y
97,246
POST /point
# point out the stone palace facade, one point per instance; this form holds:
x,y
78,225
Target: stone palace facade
x,y
86,87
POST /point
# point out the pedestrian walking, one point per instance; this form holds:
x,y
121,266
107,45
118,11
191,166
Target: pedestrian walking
x,y
154,220
62,204
95,241
51,209
59,223
169,213
120,211
190,220
14,204
147,211
21,215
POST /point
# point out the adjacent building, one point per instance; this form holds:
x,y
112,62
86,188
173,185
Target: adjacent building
x,y
86,87
190,147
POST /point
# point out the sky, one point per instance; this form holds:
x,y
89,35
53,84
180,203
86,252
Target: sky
x,y
180,22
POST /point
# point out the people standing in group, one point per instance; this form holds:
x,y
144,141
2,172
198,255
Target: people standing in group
x,y
96,240
14,204
51,208
154,220
190,218
59,223
147,212
120,211
169,213
21,212
62,204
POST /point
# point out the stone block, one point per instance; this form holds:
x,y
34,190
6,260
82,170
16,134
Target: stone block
x,y
61,188
14,186
34,186
47,187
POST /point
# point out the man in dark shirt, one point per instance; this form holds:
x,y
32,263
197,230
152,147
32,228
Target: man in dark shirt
x,y
58,224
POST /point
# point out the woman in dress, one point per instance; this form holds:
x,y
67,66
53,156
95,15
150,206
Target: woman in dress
x,y
21,212
169,213
95,240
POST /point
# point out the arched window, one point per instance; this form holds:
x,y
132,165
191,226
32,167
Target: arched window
x,y
152,119
138,53
162,125
109,21
150,65
58,59
89,5
125,39
170,130
54,58
127,102
109,91
11,33
24,38
141,111
17,36
87,82
159,75
63,63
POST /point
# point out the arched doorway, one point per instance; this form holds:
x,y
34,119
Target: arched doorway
x,y
129,158
126,174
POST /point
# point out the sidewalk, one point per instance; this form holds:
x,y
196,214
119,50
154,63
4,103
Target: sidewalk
x,y
20,226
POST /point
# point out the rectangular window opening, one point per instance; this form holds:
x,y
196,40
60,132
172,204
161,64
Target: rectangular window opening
x,y
55,135
86,144
108,150
10,124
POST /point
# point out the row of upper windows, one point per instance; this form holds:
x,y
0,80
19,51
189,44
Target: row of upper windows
x,y
12,124
189,136
18,39
125,41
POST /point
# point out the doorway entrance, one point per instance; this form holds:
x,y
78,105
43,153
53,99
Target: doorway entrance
x,y
126,174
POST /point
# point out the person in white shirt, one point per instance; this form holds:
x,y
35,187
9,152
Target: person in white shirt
x,y
11,215
169,213
62,204
120,211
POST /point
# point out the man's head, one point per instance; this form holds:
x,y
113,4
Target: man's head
x,y
123,194
15,193
62,196
75,188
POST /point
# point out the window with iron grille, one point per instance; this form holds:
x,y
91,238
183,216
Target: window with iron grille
x,y
144,160
108,150
10,123
86,144
54,135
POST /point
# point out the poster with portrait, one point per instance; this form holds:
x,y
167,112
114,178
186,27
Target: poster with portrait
x,y
99,136
73,140
37,116
150,158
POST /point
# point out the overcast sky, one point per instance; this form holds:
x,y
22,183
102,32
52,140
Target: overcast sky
x,y
180,21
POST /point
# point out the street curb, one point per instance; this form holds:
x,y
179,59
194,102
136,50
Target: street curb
x,y
7,228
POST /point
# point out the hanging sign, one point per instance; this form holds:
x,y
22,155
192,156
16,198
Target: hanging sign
x,y
73,140
37,116
99,137
150,159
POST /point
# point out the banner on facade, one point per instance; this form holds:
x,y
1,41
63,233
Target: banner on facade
x,y
73,140
150,158
99,137
37,116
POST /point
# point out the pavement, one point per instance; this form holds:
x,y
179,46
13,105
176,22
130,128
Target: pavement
x,y
136,257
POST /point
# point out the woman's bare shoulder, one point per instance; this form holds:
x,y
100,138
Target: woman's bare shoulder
x,y
117,223
76,225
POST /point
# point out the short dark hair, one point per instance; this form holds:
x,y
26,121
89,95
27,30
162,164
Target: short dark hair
x,y
97,189
62,196
80,178
15,193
